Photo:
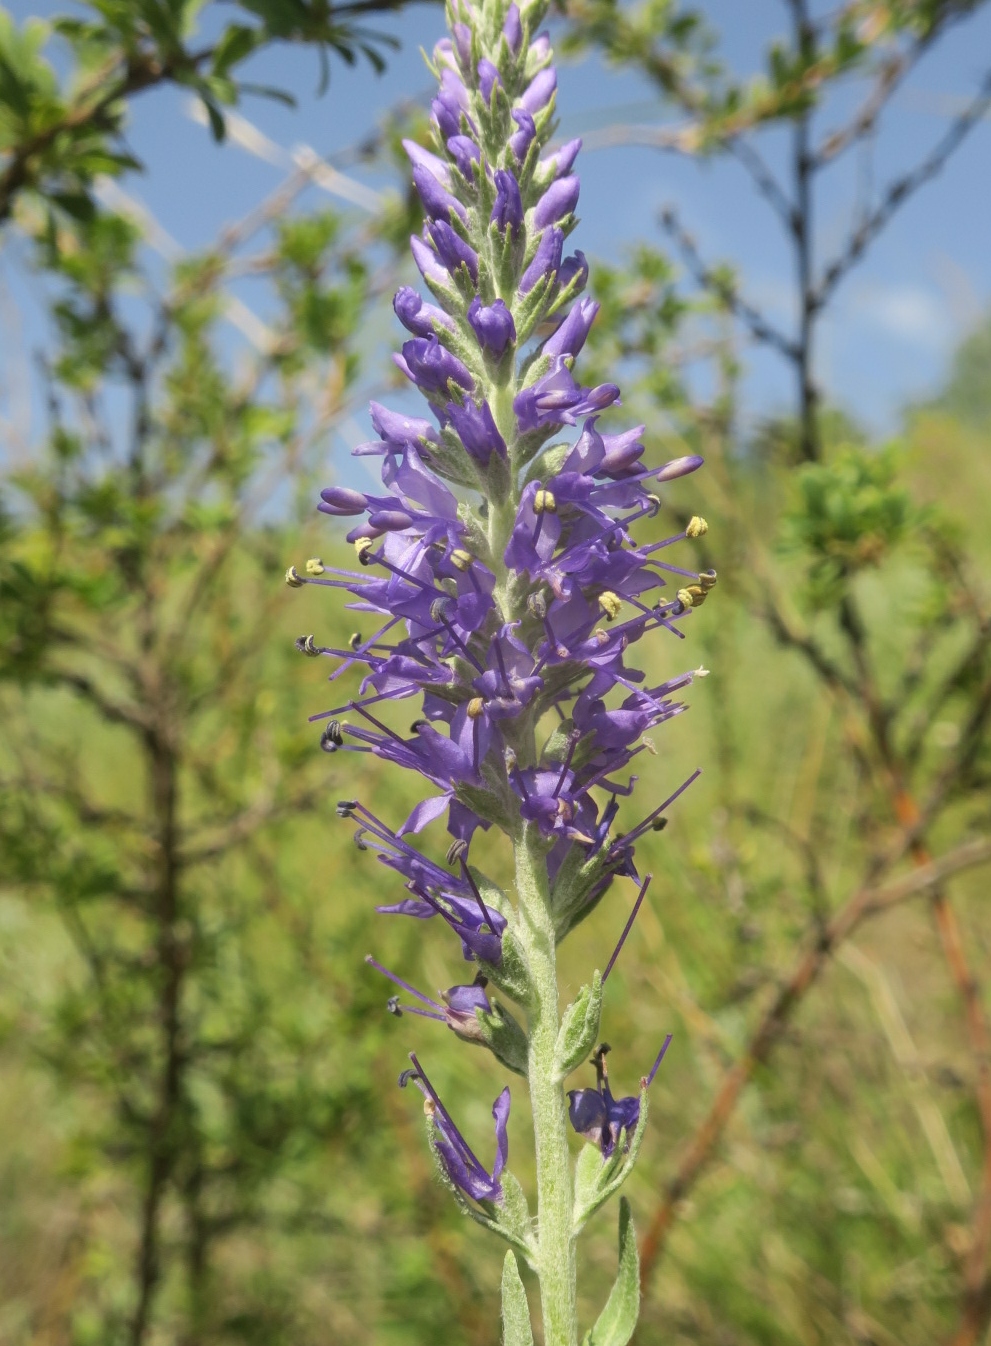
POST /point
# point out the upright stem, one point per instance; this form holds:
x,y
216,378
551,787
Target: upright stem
x,y
808,394
550,1115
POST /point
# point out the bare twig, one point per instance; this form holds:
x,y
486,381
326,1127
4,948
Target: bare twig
x,y
726,291
899,192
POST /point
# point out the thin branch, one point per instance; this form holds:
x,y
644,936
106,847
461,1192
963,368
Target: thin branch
x,y
726,291
867,901
899,192
245,825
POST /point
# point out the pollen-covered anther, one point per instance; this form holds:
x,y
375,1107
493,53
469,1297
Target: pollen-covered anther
x,y
655,504
332,734
306,645
544,502
457,851
537,604
354,640
610,604
314,566
294,579
692,596
363,545
461,559
707,579
437,608
476,708
697,526
601,636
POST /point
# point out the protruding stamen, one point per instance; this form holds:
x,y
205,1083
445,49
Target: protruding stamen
x,y
307,646
346,808
332,738
363,546
354,639
461,559
544,502
697,526
457,851
648,1080
294,579
627,927
707,578
476,708
315,566
469,878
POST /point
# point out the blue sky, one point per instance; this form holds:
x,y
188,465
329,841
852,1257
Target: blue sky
x,y
896,317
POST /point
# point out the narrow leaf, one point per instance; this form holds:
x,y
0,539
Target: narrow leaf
x,y
618,1319
516,1329
579,1028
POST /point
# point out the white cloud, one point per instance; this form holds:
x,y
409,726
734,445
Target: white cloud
x,y
907,312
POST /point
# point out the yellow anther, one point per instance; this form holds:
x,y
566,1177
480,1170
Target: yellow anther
x,y
354,639
461,559
476,707
363,546
314,566
544,502
601,636
697,526
692,597
293,578
610,604
707,578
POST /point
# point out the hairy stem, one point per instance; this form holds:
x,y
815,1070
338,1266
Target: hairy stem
x,y
550,1114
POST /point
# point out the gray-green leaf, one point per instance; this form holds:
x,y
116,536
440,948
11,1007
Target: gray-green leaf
x,y
516,1329
579,1028
618,1320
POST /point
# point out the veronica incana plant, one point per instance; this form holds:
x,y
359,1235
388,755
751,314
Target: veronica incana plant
x,y
505,594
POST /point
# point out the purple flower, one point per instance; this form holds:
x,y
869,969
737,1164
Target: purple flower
x,y
507,213
464,1170
522,139
488,79
417,317
465,154
571,335
492,324
560,162
512,29
559,200
540,90
437,202
476,429
546,260
430,366
452,250
459,1009
556,399
599,1117
450,105
572,268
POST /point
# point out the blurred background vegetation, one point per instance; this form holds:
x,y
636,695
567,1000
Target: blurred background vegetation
x,y
200,1136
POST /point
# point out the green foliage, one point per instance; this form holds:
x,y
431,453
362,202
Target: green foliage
x,y
851,513
516,1329
617,1321
57,135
